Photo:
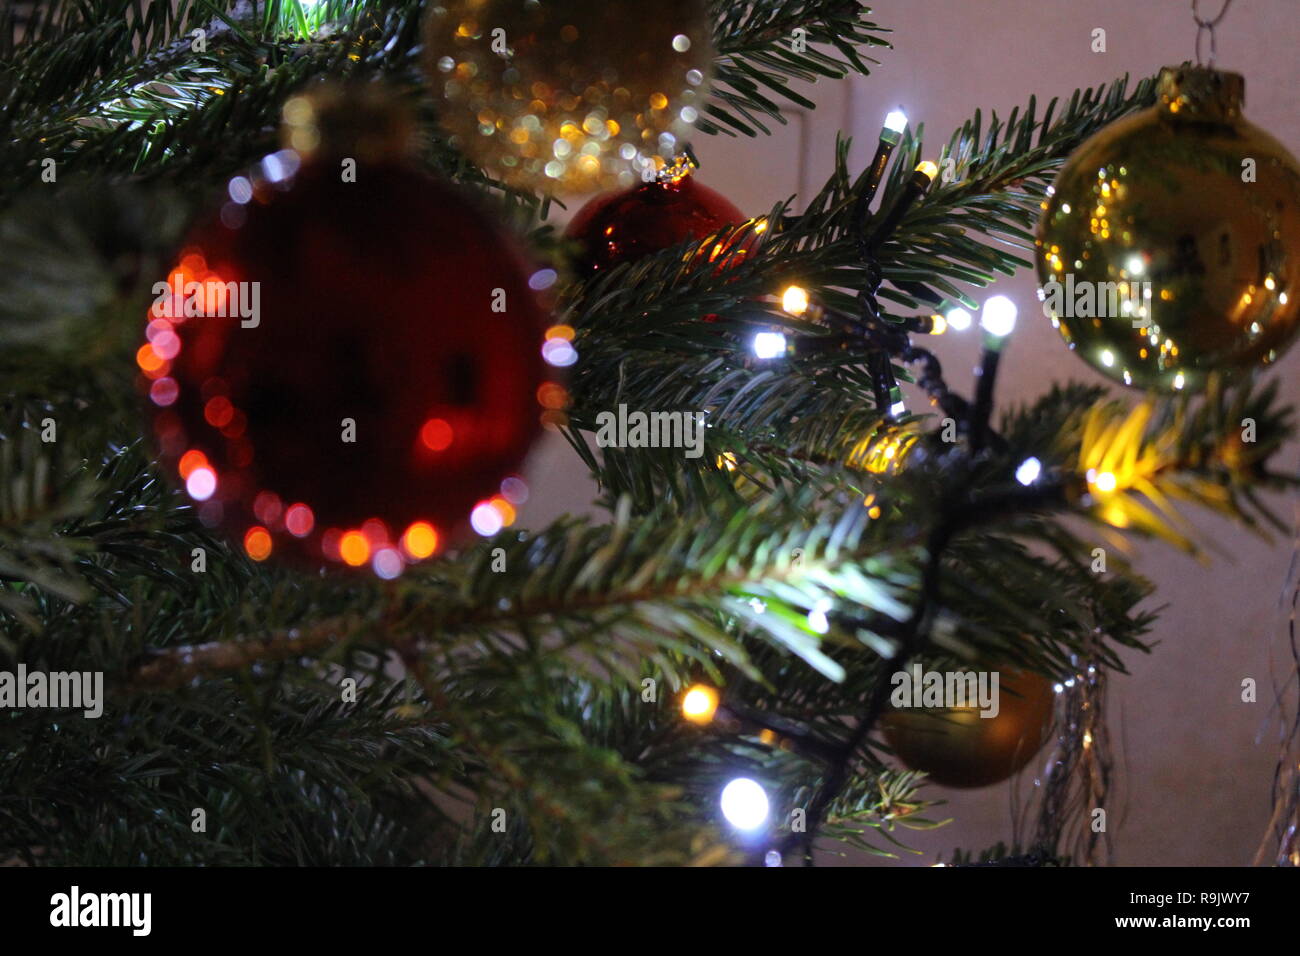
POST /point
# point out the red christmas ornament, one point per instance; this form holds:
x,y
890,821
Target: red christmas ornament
x,y
623,226
346,369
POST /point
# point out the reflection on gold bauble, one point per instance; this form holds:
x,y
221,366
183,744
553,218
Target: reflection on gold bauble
x,y
1156,203
568,95
959,748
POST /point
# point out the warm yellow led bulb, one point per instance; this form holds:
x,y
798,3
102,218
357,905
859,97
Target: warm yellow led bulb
x,y
929,168
795,300
1105,482
700,703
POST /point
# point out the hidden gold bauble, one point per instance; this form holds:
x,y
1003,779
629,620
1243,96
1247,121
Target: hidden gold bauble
x,y
568,96
959,748
1169,248
625,225
344,368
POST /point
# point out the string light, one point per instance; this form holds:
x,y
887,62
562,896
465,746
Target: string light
x,y
795,300
998,317
897,406
1104,482
744,804
958,319
890,136
769,345
1029,471
817,620
917,185
201,484
387,563
485,519
699,704
998,320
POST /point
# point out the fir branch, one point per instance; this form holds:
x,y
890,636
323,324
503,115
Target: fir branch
x,y
641,343
999,179
759,52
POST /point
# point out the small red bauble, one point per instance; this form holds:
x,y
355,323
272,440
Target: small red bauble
x,y
359,369
624,226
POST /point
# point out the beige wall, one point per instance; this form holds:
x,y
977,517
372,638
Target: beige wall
x,y
1196,763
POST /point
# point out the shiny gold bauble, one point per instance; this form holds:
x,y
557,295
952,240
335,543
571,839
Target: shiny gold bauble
x,y
1192,215
568,95
959,748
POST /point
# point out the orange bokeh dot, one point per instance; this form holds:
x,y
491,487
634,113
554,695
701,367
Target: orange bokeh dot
x,y
148,359
257,542
560,332
161,372
505,509
420,540
354,549
436,434
552,395
191,460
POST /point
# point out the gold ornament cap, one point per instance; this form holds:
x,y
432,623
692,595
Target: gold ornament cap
x,y
367,123
1199,93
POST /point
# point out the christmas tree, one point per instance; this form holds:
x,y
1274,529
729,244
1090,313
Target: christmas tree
x,y
234,632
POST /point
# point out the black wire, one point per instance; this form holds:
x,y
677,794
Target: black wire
x,y
957,515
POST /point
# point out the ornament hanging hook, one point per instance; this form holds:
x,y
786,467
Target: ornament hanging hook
x,y
1207,26
683,164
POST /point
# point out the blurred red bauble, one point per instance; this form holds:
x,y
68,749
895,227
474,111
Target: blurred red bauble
x,y
359,368
623,226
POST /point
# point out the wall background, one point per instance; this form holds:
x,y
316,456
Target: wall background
x,y
1195,763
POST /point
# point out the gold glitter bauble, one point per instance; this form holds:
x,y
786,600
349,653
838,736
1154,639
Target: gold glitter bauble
x,y
959,748
571,95
1170,246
